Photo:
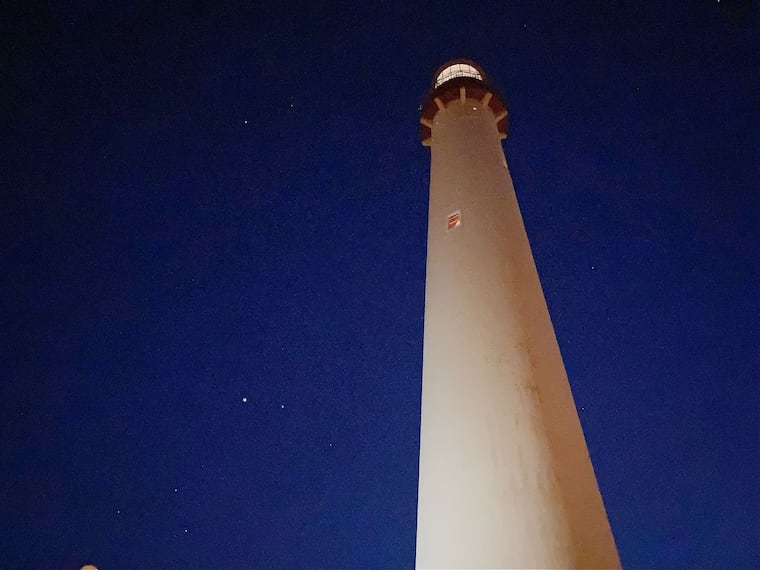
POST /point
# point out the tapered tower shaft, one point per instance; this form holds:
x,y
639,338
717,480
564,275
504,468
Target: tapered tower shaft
x,y
505,476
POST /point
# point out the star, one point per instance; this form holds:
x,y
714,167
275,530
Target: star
x,y
282,406
175,489
245,399
245,122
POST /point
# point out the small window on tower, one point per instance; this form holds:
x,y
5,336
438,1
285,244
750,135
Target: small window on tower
x,y
454,220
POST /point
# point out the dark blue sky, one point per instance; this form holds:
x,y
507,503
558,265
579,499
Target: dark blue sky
x,y
205,205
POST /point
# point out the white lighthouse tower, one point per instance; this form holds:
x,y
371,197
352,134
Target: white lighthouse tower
x,y
505,475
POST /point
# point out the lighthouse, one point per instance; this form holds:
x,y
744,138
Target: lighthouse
x,y
505,477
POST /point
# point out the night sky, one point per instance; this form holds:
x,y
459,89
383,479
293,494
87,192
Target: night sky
x,y
212,241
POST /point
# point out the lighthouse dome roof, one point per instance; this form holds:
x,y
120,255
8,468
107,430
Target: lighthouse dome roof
x,y
457,68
